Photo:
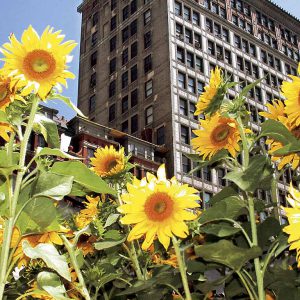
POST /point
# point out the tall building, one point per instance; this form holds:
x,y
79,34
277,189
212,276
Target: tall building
x,y
143,64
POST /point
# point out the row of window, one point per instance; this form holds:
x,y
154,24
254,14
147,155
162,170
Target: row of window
x,y
190,59
188,83
216,8
244,45
188,35
216,29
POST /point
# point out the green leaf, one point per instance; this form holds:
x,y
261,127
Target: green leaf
x,y
50,282
249,87
3,117
83,176
225,253
53,185
111,220
55,152
49,254
229,208
68,102
41,211
108,244
226,192
268,228
257,175
48,129
222,229
277,131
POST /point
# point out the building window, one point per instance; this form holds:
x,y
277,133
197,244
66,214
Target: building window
x,y
94,38
125,34
221,174
185,135
211,48
147,64
93,80
178,8
227,56
112,113
124,126
147,17
181,80
183,108
94,59
147,39
223,12
186,164
192,111
134,73
186,13
125,12
180,54
209,25
133,6
196,18
113,4
134,98
112,66
149,115
200,87
124,104
133,28
188,36
125,56
198,42
190,60
237,41
113,43
199,64
252,50
134,50
113,23
179,31
112,89
191,85
134,124
95,19
125,80
92,104
206,174
240,63
225,35
160,135
148,88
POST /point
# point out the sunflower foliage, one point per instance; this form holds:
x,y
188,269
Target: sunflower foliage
x,y
69,231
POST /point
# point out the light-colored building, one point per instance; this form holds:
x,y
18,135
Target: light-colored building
x,y
143,64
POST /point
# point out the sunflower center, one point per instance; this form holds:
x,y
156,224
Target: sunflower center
x,y
220,133
39,64
111,164
159,206
3,92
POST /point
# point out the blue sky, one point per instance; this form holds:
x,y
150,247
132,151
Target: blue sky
x,y
16,15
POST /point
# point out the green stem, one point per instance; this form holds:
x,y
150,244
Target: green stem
x,y
9,224
244,142
269,257
182,269
70,249
258,272
245,283
274,196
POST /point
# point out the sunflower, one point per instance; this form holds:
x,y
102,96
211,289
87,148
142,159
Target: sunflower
x,y
87,215
275,110
37,63
291,91
85,244
277,113
108,161
293,215
4,130
172,261
7,92
217,133
158,207
211,91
